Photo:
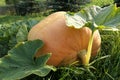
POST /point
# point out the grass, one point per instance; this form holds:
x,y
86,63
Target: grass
x,y
101,2
7,19
2,3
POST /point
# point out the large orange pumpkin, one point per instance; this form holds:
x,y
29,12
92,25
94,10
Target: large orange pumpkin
x,y
62,41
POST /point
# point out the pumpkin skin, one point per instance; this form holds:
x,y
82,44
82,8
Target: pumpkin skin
x,y
62,41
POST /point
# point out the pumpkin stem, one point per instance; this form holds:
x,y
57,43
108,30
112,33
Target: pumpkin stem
x,y
85,55
82,55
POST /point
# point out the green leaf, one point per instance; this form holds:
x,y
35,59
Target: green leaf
x,y
22,34
95,17
11,34
20,61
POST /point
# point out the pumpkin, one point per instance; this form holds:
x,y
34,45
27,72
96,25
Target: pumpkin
x,y
62,41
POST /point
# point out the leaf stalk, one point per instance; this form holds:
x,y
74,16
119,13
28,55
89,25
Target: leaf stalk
x,y
85,55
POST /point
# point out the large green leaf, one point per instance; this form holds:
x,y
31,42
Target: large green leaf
x,y
20,61
95,17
